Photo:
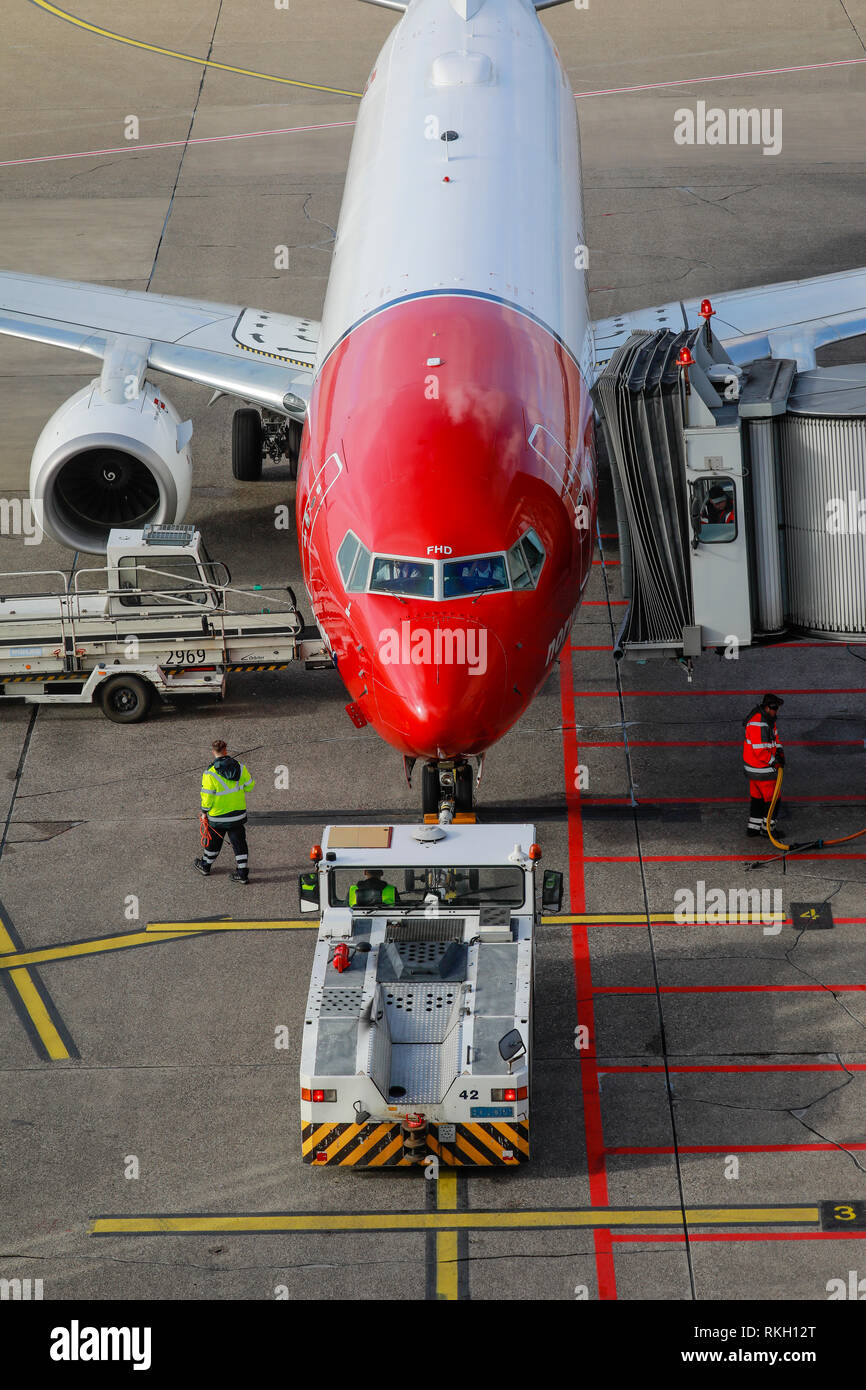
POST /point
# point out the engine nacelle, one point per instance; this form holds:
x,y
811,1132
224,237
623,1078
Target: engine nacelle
x,y
103,462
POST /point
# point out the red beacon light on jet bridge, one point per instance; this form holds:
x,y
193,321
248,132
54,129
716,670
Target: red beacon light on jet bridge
x,y
316,853
534,852
707,312
684,361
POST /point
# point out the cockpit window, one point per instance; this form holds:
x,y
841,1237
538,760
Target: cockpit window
x,y
353,560
526,560
520,577
475,576
534,552
412,578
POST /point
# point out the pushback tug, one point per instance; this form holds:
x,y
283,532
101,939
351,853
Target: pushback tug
x,y
418,1027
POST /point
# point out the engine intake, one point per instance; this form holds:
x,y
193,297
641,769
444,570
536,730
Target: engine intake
x,y
102,462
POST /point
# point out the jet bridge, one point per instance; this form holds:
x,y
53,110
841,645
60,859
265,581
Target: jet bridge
x,y
740,494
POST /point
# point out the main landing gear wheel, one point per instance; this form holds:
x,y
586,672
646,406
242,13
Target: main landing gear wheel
x,y
430,789
125,699
247,444
463,787
294,430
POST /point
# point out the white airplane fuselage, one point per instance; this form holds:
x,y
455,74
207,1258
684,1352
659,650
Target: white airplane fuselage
x,y
450,415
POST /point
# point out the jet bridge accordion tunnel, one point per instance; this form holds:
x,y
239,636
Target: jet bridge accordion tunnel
x,y
740,495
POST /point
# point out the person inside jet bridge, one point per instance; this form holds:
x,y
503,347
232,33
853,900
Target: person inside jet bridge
x,y
718,510
373,891
763,755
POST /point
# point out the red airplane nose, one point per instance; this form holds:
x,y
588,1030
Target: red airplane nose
x,y
441,687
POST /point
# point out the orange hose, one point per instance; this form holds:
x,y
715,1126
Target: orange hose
x,y
777,792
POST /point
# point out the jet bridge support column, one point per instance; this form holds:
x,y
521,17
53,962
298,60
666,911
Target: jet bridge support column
x,y
769,537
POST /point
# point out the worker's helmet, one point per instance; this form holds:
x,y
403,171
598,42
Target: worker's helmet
x,y
373,873
771,701
718,494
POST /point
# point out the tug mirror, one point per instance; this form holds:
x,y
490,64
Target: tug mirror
x,y
511,1046
551,892
308,892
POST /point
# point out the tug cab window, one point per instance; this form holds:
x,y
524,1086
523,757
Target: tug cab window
x,y
714,514
526,561
409,578
353,561
476,574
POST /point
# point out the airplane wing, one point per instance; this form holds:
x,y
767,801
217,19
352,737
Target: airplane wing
x,y
257,355
791,319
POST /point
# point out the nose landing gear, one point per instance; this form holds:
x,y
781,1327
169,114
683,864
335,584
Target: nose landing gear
x,y
447,787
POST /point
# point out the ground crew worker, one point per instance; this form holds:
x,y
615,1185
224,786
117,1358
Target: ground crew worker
x,y
718,510
763,755
373,891
224,812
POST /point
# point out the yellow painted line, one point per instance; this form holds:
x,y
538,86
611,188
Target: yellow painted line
x,y
96,946
184,57
453,1220
446,1266
446,1241
33,1003
187,928
39,1015
446,1192
658,919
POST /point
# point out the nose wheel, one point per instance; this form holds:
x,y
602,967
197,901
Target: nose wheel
x,y
446,787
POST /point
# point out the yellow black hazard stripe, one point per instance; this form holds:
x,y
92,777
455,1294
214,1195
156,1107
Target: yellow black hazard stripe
x,y
375,1145
275,356
217,667
483,1145
41,676
261,666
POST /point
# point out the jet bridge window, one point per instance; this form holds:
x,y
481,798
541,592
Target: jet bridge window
x,y
353,560
410,578
714,510
477,574
526,561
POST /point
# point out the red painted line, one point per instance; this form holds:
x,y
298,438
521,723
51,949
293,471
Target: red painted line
x,y
650,800
728,743
729,989
720,77
704,858
605,561
628,1238
603,602
590,1089
604,1265
739,1149
800,690
737,1068
657,926
132,147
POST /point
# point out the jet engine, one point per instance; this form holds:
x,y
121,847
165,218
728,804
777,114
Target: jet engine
x,y
104,460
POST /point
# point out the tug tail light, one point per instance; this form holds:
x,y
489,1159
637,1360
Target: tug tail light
x,y
318,1096
510,1093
